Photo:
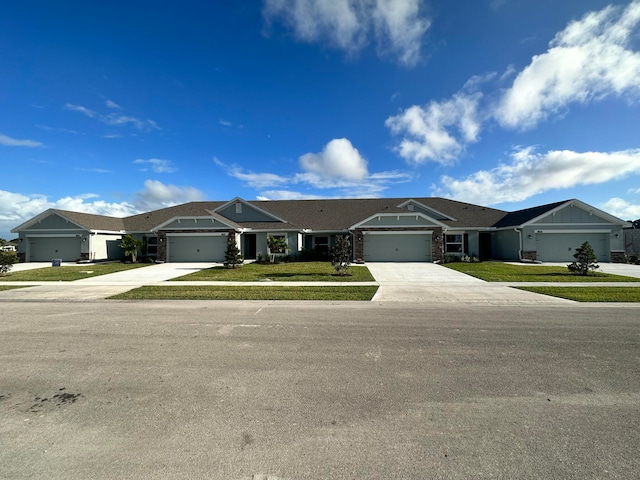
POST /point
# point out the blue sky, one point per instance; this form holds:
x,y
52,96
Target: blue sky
x,y
120,107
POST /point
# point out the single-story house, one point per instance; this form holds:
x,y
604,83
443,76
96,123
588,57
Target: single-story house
x,y
381,230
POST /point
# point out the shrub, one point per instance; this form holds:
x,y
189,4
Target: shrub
x,y
232,257
7,259
341,254
585,260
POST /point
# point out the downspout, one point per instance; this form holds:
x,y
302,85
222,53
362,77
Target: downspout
x,y
520,244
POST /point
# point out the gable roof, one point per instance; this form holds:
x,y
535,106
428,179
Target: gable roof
x,y
520,217
317,215
87,221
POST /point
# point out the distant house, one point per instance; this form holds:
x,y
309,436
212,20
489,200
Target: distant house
x,y
382,230
8,248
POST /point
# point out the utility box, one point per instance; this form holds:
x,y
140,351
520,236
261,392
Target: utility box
x,y
56,262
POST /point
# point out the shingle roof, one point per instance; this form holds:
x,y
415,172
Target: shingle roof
x,y
318,215
91,221
523,216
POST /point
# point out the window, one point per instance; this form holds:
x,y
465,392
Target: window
x,y
152,246
321,244
454,243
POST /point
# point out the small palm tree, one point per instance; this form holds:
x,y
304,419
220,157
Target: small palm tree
x,y
131,247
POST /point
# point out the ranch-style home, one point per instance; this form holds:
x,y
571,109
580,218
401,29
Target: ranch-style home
x,y
381,230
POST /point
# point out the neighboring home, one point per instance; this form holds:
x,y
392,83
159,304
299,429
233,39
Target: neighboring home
x,y
8,248
381,229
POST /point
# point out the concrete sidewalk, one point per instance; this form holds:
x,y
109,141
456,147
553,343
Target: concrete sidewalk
x,y
435,284
398,282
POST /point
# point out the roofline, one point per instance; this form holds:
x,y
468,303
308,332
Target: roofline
x,y
397,214
217,217
44,215
428,208
574,201
241,200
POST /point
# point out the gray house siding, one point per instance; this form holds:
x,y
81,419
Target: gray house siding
x,y
505,245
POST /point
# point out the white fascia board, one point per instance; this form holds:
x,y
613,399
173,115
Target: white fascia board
x,y
398,232
584,230
42,216
228,223
584,206
411,200
198,234
402,214
244,202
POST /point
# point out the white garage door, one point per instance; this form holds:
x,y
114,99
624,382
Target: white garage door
x,y
45,249
397,247
207,248
560,247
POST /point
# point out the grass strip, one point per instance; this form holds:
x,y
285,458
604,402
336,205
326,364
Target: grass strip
x,y
287,272
590,294
201,292
11,287
505,272
68,273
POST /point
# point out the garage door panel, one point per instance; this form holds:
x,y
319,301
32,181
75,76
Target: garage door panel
x,y
46,249
397,248
560,247
197,248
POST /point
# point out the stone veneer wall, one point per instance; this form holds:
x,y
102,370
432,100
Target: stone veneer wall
x,y
162,240
437,250
618,257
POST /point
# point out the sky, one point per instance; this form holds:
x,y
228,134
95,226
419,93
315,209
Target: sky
x,y
121,107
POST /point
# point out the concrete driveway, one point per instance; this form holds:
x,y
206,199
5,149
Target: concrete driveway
x,y
96,288
436,284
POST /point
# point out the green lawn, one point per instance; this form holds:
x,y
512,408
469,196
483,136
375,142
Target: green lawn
x,y
335,293
590,294
289,272
504,272
68,273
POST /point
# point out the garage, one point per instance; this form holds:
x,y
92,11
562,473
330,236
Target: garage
x,y
45,249
397,247
197,248
560,247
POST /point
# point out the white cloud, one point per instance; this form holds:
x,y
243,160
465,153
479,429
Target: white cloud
x,y
339,159
159,195
14,142
396,25
255,180
113,118
286,195
225,123
17,208
621,209
339,166
111,104
157,165
530,173
589,60
428,132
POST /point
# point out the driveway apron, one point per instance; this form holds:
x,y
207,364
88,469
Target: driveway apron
x,y
436,284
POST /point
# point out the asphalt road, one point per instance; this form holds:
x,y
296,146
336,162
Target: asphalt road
x,y
285,390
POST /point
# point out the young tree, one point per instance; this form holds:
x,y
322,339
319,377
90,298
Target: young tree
x,y
232,257
131,247
277,246
341,254
7,259
585,260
